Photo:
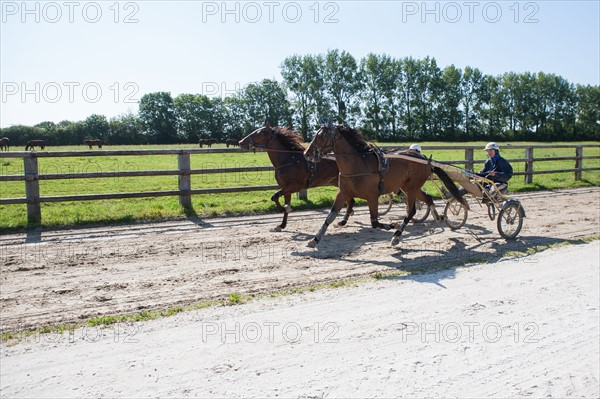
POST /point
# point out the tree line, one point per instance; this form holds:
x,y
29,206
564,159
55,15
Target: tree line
x,y
388,99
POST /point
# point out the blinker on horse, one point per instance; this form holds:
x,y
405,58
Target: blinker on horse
x,y
365,172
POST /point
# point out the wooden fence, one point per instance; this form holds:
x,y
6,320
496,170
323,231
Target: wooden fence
x,y
31,176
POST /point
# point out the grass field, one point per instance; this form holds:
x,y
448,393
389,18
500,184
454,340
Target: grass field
x,y
109,211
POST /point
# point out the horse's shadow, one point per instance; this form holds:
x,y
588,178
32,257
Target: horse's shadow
x,y
421,262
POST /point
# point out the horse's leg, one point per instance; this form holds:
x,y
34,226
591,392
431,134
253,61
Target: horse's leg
x,y
349,212
275,199
374,212
411,210
335,209
286,210
287,207
428,199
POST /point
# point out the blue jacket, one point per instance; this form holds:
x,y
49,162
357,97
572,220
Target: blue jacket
x,y
499,165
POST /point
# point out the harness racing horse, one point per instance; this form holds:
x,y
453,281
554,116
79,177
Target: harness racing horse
x,y
94,142
293,172
365,172
4,144
35,143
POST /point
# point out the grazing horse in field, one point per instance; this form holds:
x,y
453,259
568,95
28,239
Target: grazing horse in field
x,y
207,142
94,142
35,143
231,142
4,144
292,171
365,172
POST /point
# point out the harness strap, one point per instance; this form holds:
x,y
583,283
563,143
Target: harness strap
x,y
383,166
312,168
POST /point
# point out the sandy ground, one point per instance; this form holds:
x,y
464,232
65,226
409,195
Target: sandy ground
x,y
50,277
513,328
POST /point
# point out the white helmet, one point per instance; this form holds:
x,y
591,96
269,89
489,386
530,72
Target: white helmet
x,y
492,146
415,147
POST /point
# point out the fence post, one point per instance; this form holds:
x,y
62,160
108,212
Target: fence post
x,y
529,165
32,190
185,181
578,161
469,165
303,195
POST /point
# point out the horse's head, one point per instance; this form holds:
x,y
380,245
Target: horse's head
x,y
322,143
260,138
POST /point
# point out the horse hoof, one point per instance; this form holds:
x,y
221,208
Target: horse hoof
x,y
388,226
395,241
287,208
312,243
276,229
341,223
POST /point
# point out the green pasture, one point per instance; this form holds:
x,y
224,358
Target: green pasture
x,y
110,211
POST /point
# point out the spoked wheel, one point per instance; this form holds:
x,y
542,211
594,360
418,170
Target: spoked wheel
x,y
510,220
455,214
385,203
491,211
422,212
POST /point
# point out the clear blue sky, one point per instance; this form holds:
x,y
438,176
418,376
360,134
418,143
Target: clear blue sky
x,y
63,60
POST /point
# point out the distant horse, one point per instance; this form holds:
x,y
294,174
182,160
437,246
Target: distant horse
x,y
35,143
94,142
292,171
4,144
365,172
207,142
231,142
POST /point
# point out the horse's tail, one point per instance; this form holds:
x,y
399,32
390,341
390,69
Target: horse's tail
x,y
449,183
27,147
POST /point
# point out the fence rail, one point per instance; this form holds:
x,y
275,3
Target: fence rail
x,y
31,175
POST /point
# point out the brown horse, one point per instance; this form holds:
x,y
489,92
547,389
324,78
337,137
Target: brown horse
x,y
365,172
231,142
293,172
94,142
4,144
207,142
35,143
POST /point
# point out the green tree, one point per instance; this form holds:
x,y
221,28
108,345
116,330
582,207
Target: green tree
x,y
194,117
157,115
474,96
303,77
379,90
450,115
125,129
343,84
588,112
266,101
96,127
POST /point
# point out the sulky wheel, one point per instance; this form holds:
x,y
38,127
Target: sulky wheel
x,y
455,215
510,220
385,203
491,208
422,212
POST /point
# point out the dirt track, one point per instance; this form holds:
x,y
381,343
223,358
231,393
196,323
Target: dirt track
x,y
53,277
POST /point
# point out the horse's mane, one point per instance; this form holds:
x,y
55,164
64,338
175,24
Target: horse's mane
x,y
355,138
290,139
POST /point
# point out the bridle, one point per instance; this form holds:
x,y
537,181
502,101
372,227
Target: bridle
x,y
265,145
328,136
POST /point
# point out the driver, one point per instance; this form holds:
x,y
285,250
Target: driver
x,y
496,168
